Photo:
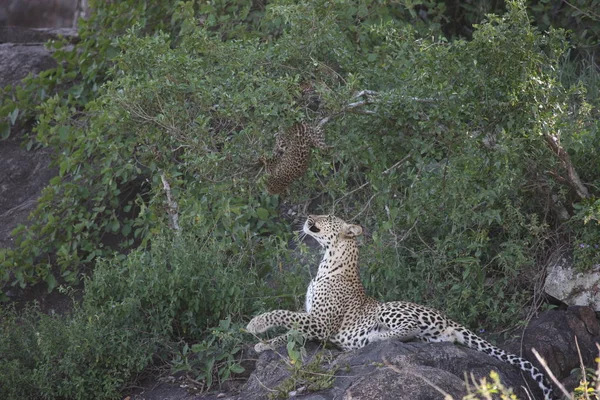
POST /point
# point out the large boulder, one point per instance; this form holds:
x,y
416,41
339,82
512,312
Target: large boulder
x,y
24,173
412,371
389,370
553,335
572,287
39,13
19,60
23,52
396,370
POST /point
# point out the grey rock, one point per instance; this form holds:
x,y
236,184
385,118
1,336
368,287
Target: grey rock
x,y
38,13
389,370
572,287
24,175
408,371
16,34
18,60
553,334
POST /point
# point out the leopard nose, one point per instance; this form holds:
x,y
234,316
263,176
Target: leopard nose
x,y
310,224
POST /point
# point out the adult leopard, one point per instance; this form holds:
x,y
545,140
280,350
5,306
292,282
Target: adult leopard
x,y
338,309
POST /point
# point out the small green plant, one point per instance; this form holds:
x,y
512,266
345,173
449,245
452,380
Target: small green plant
x,y
589,384
213,360
586,223
488,390
588,388
304,377
44,356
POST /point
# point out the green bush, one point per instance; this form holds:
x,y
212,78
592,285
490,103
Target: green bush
x,y
201,109
137,310
477,195
184,285
75,357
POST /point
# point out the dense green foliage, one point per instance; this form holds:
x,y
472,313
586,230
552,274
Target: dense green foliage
x,y
185,288
451,163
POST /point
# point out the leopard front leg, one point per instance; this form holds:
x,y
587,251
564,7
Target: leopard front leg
x,y
310,326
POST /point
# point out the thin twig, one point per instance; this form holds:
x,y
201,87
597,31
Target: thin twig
x,y
405,234
387,171
550,374
589,14
365,207
349,193
582,366
369,97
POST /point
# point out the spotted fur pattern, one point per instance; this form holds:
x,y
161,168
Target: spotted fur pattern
x,y
291,155
338,309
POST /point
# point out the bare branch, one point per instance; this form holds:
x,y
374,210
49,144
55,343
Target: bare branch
x,y
366,92
171,203
371,93
572,176
324,121
357,104
550,374
369,97
387,171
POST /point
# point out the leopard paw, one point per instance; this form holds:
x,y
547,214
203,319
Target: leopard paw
x,y
257,325
260,347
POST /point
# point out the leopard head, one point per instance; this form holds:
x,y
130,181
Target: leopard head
x,y
329,229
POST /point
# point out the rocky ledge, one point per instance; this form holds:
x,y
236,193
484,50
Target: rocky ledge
x,y
410,371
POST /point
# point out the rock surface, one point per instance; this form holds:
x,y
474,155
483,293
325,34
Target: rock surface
x,y
24,173
389,370
16,34
23,52
19,60
39,13
573,287
553,334
395,370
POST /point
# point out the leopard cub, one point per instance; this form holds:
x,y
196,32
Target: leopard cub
x,y
291,155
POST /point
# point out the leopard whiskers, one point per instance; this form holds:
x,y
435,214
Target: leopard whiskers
x,y
299,237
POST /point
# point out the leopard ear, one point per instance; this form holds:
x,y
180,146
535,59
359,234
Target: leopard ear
x,y
351,231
